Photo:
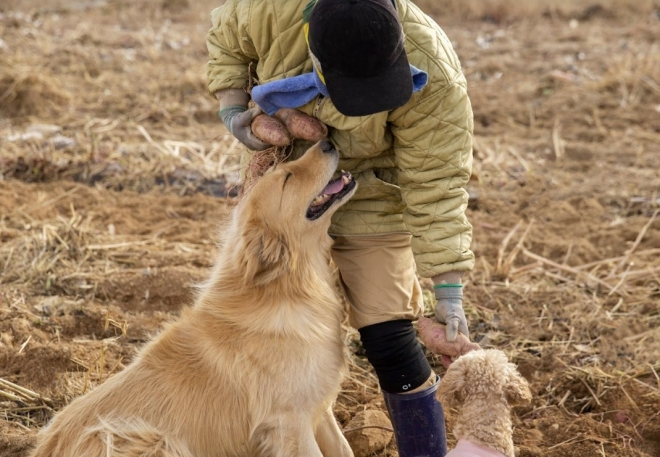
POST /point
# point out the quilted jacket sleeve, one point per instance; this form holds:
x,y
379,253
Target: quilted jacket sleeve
x,y
433,147
230,47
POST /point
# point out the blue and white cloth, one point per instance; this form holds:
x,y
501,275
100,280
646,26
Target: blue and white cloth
x,y
296,91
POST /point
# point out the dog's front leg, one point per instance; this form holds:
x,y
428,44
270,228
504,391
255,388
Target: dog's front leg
x,y
291,437
330,438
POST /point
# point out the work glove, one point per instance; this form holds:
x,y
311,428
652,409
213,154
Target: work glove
x,y
449,310
238,119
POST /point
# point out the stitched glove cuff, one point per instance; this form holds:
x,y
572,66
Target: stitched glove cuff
x,y
449,292
227,114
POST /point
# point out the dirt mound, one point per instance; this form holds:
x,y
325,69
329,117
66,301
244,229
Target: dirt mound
x,y
25,95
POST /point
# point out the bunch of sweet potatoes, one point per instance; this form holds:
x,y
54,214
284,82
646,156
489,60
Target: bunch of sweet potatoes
x,y
286,125
434,336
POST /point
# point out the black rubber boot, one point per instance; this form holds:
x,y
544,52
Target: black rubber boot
x,y
419,423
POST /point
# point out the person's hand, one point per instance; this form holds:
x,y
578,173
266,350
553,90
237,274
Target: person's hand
x,y
449,310
434,337
238,120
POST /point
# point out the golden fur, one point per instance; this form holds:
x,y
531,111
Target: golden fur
x,y
483,385
254,366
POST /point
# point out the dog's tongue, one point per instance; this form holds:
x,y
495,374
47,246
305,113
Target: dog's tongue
x,y
333,187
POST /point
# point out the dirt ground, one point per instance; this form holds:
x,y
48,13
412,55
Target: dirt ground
x,y
115,171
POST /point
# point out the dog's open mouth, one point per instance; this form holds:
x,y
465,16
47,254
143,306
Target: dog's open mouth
x,y
334,191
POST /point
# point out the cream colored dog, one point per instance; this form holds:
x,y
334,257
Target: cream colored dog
x,y
254,366
483,385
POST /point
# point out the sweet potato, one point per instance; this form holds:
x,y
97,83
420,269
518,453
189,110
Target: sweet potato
x,y
302,126
434,337
270,130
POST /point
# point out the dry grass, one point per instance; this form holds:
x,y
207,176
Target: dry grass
x,y
22,92
500,11
76,81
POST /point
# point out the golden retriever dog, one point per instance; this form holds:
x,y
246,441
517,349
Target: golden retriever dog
x,y
253,368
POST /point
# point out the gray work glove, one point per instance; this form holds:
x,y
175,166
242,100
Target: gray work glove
x,y
237,119
449,310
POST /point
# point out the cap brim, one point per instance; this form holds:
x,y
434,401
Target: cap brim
x,y
363,96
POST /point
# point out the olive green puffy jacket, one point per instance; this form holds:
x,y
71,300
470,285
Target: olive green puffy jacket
x,y
411,163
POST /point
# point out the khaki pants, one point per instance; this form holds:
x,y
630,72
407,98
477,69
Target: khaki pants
x,y
379,278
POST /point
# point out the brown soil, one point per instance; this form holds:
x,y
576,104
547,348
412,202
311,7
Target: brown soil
x,y
112,160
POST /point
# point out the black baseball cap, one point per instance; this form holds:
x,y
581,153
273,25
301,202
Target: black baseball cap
x,y
359,44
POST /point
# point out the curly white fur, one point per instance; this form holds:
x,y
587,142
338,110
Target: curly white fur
x,y
483,385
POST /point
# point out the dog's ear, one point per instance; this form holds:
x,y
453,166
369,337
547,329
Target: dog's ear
x,y
266,254
516,390
451,391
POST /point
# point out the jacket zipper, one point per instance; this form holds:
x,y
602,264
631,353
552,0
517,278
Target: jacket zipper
x,y
320,101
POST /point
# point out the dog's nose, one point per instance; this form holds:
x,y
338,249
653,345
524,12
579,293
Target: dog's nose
x,y
326,146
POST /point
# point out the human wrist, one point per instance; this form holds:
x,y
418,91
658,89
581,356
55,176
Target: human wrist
x,y
230,97
450,277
